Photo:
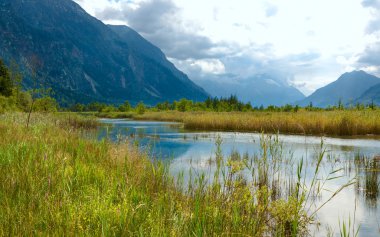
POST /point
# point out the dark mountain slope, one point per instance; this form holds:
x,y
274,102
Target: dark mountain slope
x,y
372,95
84,60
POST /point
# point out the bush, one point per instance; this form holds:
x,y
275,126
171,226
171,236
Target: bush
x,y
24,100
7,104
126,107
45,104
140,108
184,105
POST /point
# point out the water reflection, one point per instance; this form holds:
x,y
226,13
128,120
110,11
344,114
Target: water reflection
x,y
352,157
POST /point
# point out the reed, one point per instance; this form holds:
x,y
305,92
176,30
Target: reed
x,y
368,169
333,123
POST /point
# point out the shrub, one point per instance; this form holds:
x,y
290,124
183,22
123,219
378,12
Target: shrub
x,y
46,104
140,108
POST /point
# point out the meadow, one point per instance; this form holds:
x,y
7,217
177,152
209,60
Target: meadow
x,y
57,181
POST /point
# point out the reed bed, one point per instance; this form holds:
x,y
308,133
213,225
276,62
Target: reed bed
x,y
368,170
55,182
332,123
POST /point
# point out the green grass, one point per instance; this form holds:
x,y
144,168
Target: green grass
x,y
333,123
55,182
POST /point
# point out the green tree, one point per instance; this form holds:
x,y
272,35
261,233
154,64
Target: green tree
x,y
126,107
46,104
16,78
372,105
77,107
6,84
24,100
287,108
140,108
184,105
108,109
163,106
340,105
95,106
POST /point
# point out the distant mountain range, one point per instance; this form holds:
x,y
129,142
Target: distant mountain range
x,y
259,90
84,60
350,88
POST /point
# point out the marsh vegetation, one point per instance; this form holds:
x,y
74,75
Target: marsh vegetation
x,y
332,123
56,182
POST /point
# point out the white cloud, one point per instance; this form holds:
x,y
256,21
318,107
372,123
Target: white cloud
x,y
213,66
311,42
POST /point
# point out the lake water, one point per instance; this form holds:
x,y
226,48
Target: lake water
x,y
187,150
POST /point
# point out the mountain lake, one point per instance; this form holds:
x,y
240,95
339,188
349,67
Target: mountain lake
x,y
190,152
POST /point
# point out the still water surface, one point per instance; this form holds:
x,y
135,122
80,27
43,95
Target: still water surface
x,y
188,150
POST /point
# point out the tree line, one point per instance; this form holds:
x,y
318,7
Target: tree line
x,y
38,98
229,104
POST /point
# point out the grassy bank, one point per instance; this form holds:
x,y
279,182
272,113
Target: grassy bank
x,y
55,182
333,123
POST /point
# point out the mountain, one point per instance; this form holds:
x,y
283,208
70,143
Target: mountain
x,y
347,88
259,90
371,95
84,60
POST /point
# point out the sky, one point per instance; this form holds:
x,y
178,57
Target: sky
x,y
305,43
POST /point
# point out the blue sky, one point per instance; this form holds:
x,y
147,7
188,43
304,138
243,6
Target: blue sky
x,y
307,43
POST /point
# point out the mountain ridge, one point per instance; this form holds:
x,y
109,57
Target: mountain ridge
x,y
346,89
259,90
372,95
84,60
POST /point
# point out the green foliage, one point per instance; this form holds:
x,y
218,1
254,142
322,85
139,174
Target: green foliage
x,y
7,104
95,107
126,107
184,105
163,106
77,107
6,84
24,100
16,77
54,182
230,104
108,109
14,99
45,104
140,108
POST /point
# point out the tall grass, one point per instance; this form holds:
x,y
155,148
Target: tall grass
x,y
368,169
334,123
55,182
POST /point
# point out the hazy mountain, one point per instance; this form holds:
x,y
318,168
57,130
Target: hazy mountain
x,y
259,90
347,88
83,59
371,95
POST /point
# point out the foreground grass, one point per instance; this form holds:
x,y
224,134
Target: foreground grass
x,y
55,182
333,123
